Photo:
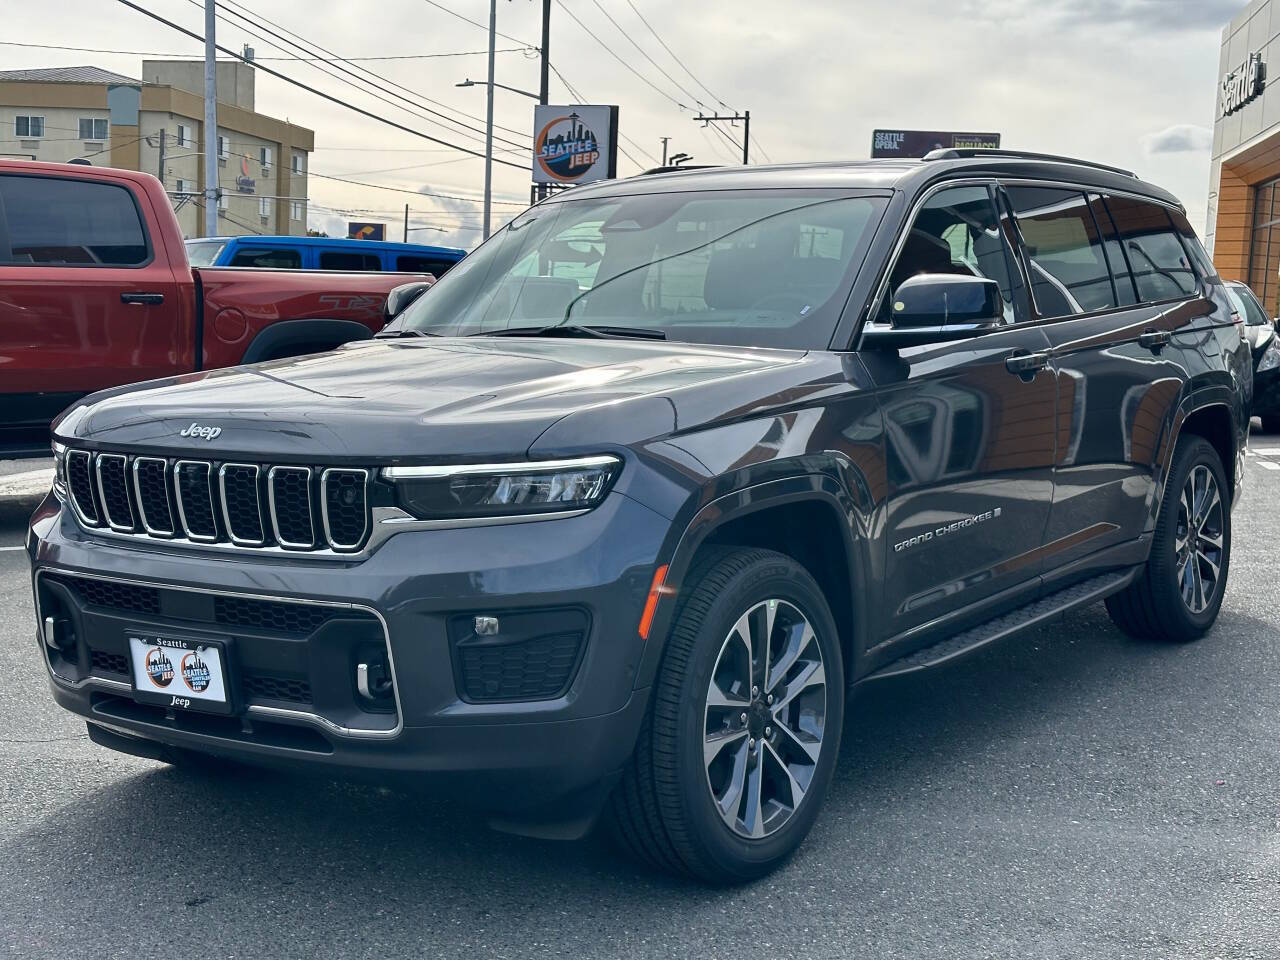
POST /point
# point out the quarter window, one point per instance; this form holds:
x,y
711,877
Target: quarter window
x,y
957,231
1156,255
335,260
261,257
55,221
1064,251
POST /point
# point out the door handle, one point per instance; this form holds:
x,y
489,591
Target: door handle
x,y
1155,339
142,299
1025,365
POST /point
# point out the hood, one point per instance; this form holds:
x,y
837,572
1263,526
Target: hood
x,y
384,400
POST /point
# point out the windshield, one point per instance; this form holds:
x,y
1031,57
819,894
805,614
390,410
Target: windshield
x,y
753,268
1247,307
202,253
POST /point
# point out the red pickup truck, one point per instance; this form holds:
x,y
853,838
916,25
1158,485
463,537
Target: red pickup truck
x,y
96,291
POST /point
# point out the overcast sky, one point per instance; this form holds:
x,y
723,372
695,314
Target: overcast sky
x,y
1128,82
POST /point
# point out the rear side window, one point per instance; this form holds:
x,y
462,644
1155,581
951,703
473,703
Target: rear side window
x,y
1126,289
1068,267
276,259
414,264
337,260
1160,263
59,222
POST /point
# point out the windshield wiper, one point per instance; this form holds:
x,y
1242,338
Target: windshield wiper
x,y
398,334
576,330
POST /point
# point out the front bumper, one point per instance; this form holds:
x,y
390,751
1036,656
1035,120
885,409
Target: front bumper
x,y
509,757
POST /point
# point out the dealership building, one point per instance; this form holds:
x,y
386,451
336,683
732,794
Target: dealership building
x,y
1243,228
156,125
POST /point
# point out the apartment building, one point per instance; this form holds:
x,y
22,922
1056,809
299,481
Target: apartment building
x,y
156,124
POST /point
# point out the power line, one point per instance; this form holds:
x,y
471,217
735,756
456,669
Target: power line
x,y
657,37
621,136
155,53
346,77
320,93
477,23
644,53
419,98
610,51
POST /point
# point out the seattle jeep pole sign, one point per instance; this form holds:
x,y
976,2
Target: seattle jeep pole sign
x,y
574,144
1243,84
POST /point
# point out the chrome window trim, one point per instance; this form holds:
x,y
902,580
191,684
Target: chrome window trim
x,y
96,522
434,471
280,713
102,493
177,492
257,496
324,508
164,485
271,508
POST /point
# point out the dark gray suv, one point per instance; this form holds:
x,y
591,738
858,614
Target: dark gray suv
x,y
617,516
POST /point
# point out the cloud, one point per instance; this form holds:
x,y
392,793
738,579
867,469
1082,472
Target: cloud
x,y
1179,138
1159,16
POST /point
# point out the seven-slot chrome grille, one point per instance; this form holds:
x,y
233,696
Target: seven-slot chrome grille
x,y
248,505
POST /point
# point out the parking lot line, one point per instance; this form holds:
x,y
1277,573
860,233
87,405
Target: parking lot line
x,y
1269,465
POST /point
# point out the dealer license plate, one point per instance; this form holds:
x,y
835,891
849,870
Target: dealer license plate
x,y
177,673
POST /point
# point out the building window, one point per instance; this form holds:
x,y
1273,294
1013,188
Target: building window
x,y
297,161
182,186
185,138
295,211
224,148
264,154
93,128
222,200
264,207
28,128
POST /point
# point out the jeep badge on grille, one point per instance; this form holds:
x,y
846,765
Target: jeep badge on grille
x,y
204,433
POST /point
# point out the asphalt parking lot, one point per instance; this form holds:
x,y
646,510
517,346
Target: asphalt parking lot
x,y
1072,793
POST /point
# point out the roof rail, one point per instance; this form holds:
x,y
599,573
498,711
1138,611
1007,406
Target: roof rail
x,y
676,169
961,153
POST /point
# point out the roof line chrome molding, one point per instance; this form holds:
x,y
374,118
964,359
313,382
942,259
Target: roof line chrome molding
x,y
279,713
433,471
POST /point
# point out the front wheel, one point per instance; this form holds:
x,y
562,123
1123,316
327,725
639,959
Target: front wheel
x,y
742,734
1178,596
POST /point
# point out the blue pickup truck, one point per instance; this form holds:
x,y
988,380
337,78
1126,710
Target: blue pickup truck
x,y
321,253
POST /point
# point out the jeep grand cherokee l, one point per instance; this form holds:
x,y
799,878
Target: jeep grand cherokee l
x,y
616,517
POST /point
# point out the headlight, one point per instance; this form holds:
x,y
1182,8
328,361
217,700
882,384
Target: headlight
x,y
502,489
60,469
1271,359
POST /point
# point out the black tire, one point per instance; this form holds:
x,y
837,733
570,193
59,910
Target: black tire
x,y
1271,423
1153,606
663,811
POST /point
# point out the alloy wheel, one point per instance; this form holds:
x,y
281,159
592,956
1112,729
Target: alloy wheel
x,y
764,719
1199,538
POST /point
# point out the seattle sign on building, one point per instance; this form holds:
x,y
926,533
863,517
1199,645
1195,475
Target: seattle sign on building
x,y
575,144
1243,84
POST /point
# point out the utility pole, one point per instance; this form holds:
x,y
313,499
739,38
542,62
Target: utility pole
x,y
488,124
406,223
745,117
160,172
664,150
210,122
544,86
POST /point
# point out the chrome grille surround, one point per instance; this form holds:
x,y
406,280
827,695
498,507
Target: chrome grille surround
x,y
217,504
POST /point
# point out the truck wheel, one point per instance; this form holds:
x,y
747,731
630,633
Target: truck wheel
x,y
1178,596
738,747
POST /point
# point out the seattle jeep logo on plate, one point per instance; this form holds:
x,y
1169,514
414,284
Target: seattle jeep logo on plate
x,y
204,433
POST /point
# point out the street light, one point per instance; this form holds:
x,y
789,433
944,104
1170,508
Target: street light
x,y
500,86
679,158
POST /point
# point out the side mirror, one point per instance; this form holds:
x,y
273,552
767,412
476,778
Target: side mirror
x,y
403,295
930,307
